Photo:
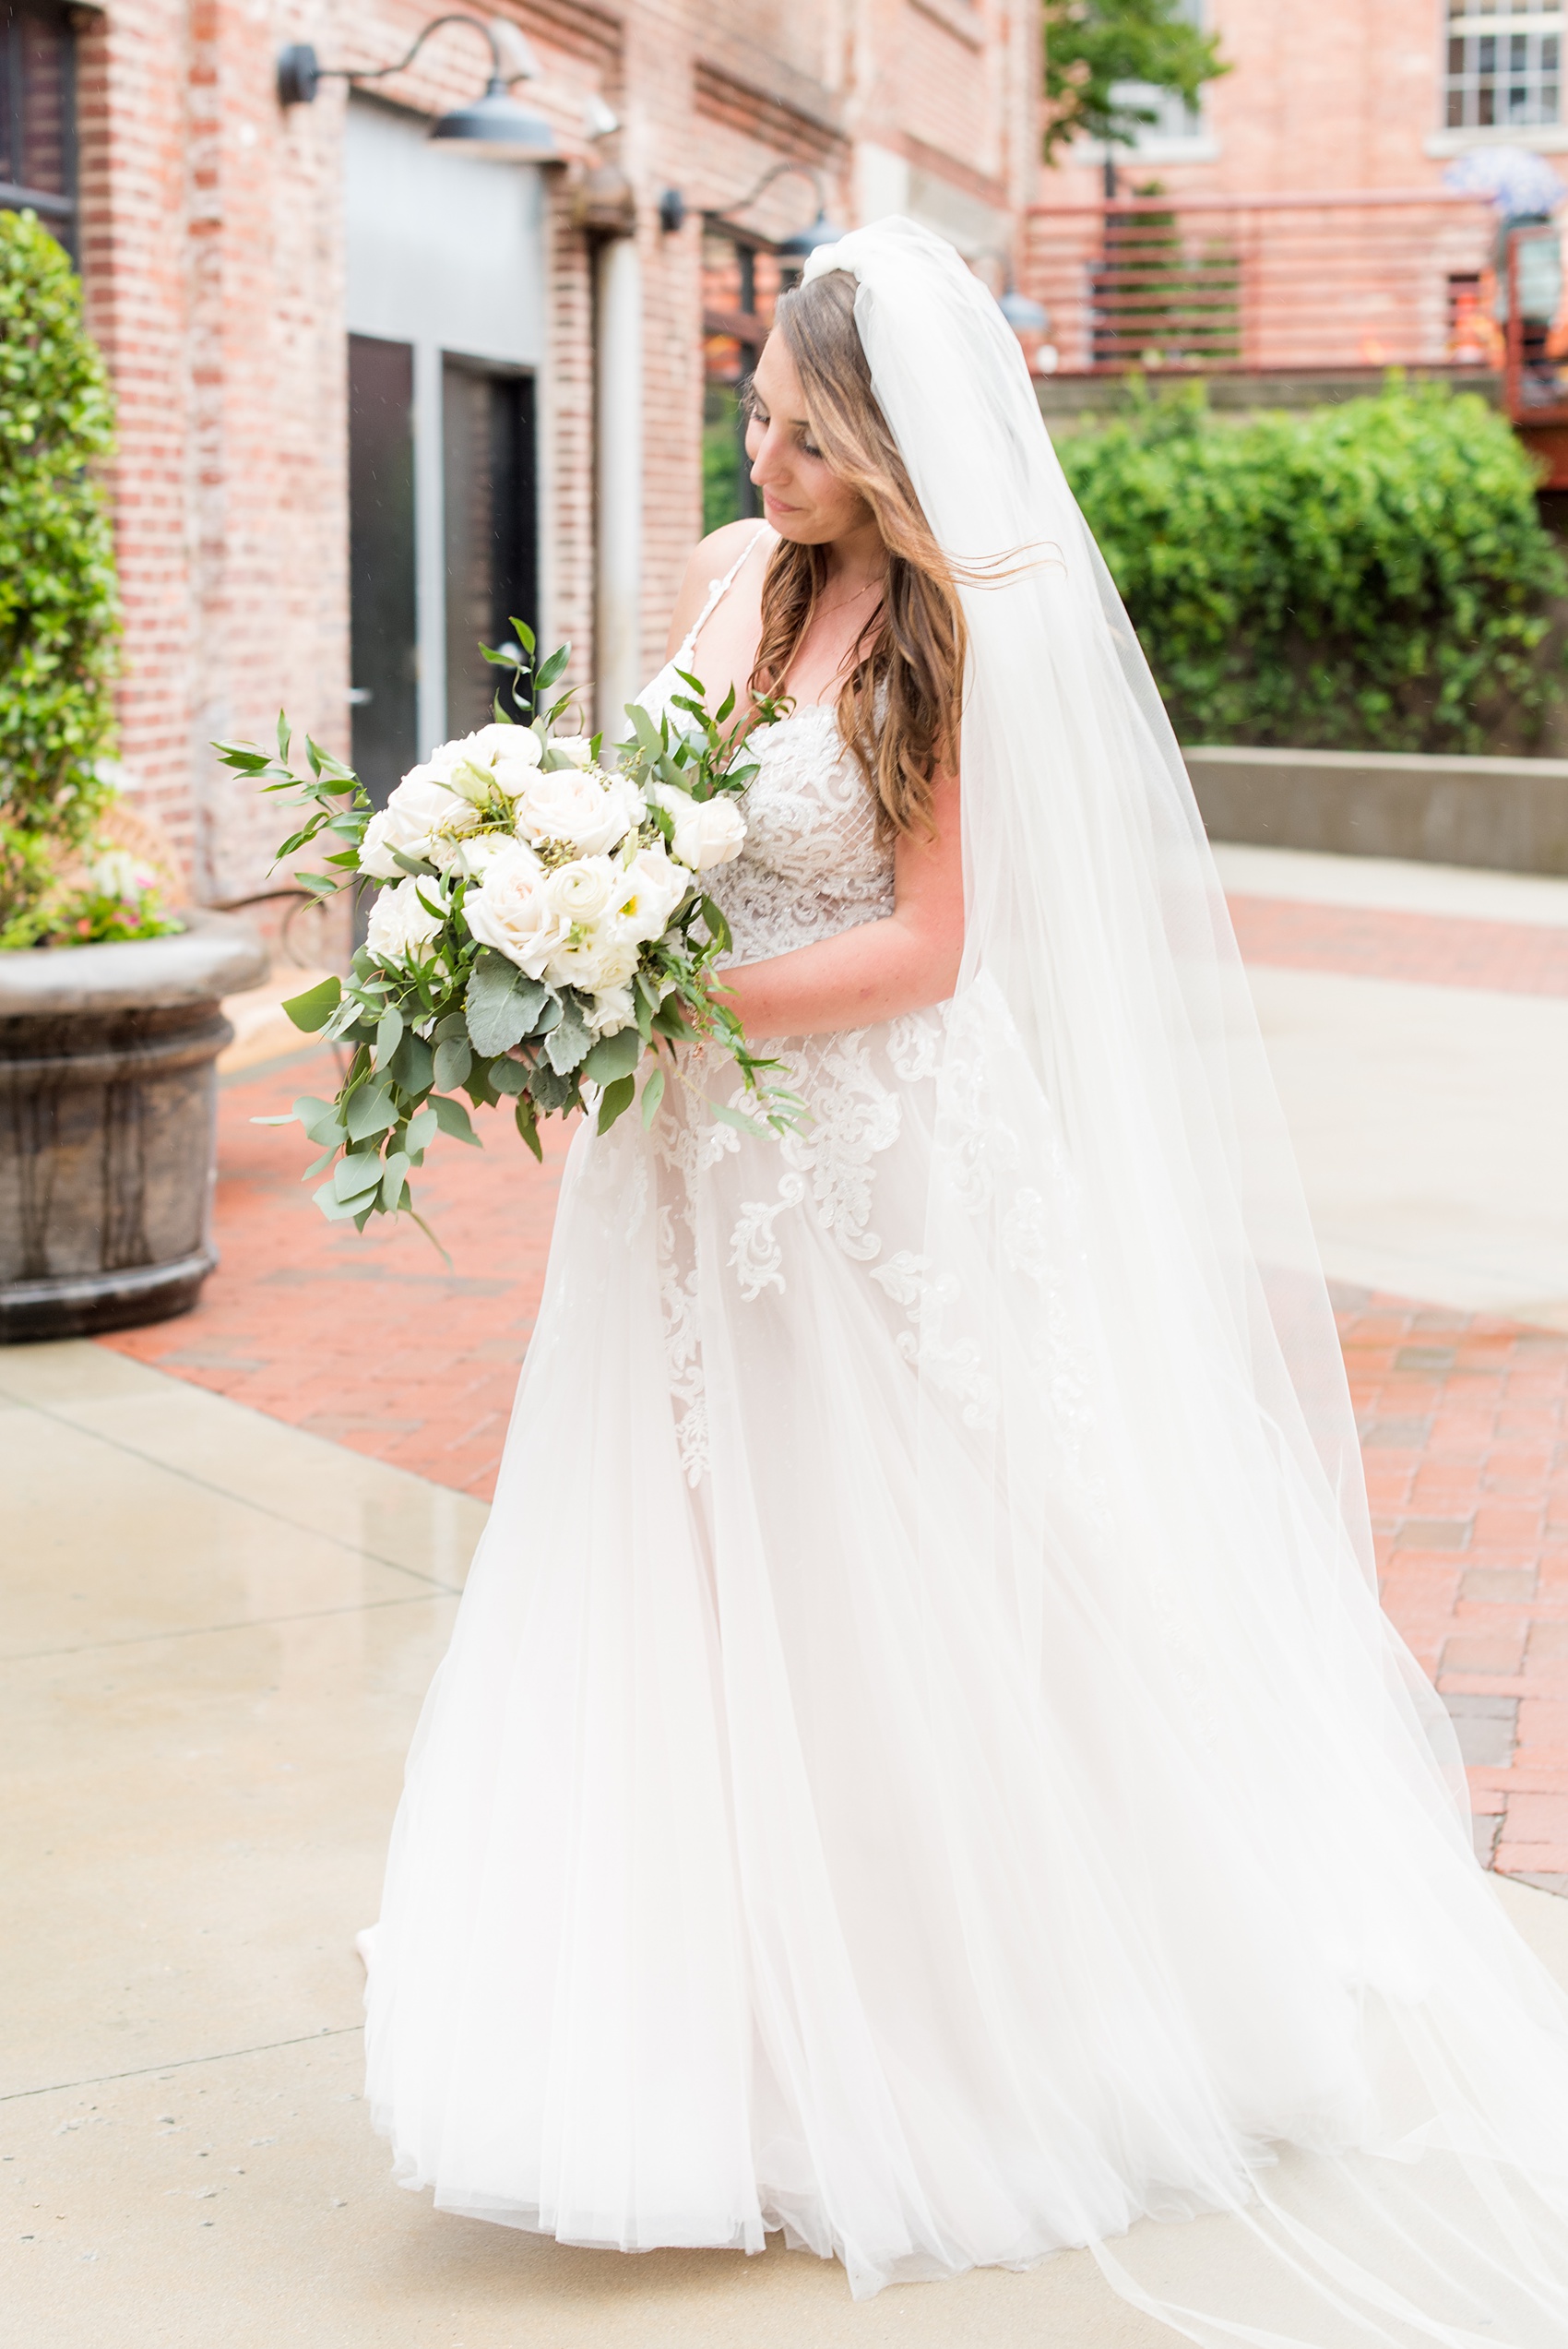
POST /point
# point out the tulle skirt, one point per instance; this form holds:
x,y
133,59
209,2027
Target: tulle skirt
x,y
900,1780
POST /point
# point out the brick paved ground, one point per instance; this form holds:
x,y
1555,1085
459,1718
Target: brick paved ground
x,y
1368,942
1464,1423
372,1342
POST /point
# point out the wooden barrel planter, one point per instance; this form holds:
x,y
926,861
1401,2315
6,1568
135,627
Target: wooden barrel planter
x,y
108,1100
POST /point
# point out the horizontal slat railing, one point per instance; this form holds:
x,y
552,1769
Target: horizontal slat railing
x,y
1267,283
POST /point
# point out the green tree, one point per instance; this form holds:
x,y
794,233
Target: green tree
x,y
1093,48
59,611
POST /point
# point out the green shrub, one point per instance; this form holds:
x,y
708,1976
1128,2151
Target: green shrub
x,y
1374,576
58,606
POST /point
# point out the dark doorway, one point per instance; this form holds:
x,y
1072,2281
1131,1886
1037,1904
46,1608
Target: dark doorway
x,y
383,626
491,501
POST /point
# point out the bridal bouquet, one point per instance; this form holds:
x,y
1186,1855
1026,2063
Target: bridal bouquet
x,y
541,924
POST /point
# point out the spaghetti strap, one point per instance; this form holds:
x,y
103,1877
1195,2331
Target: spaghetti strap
x,y
716,596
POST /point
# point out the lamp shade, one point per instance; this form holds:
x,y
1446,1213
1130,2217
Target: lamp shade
x,y
803,243
497,127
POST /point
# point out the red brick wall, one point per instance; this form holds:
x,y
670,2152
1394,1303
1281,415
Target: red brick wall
x,y
213,247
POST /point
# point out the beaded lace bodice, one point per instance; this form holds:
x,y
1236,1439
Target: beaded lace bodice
x,y
811,864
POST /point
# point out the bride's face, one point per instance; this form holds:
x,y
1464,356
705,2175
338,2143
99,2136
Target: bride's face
x,y
800,496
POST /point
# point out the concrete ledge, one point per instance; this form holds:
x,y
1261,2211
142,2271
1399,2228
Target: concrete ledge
x,y
1507,813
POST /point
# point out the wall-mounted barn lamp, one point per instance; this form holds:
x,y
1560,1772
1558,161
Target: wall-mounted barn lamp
x,y
495,125
798,247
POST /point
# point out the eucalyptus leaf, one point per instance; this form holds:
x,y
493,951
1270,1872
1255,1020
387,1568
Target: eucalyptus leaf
x,y
424,1126
335,1211
370,1110
414,1065
453,1118
358,1173
501,1005
653,1093
388,1034
394,1178
506,1076
567,1043
453,1058
320,1119
613,1057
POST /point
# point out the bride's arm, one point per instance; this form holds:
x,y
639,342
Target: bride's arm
x,y
878,969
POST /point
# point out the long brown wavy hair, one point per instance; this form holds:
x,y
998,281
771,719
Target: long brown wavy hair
x,y
900,705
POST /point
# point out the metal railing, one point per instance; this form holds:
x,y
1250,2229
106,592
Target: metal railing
x,y
1268,284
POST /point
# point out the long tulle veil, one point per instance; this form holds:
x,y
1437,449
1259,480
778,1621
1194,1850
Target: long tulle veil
x,y
1394,2169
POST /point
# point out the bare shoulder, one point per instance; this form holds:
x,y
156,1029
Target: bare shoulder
x,y
710,558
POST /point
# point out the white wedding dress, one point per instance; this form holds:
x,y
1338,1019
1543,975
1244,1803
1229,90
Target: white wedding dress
x,y
918,1764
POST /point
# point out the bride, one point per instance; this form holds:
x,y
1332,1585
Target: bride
x,y
919,1764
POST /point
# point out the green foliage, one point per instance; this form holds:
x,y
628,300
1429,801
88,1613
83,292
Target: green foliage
x,y
1374,576
59,617
1092,46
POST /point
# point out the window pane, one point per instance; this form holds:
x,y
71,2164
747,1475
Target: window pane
x,y
1548,102
1519,52
1455,109
36,141
1483,106
1486,54
380,561
1549,53
491,528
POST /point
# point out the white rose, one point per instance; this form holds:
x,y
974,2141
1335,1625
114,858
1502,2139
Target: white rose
x,y
611,1010
652,887
580,892
400,925
519,745
422,819
708,832
576,748
572,805
511,910
474,856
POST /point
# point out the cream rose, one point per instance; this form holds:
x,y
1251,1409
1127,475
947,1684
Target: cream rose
x,y
708,832
401,924
575,806
511,910
422,819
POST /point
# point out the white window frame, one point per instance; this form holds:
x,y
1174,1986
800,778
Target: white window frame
x,y
1504,21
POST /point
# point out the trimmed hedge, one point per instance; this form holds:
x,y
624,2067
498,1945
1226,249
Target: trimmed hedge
x,y
59,611
1374,576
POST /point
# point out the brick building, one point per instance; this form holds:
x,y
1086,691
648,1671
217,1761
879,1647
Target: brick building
x,y
374,392
1304,219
